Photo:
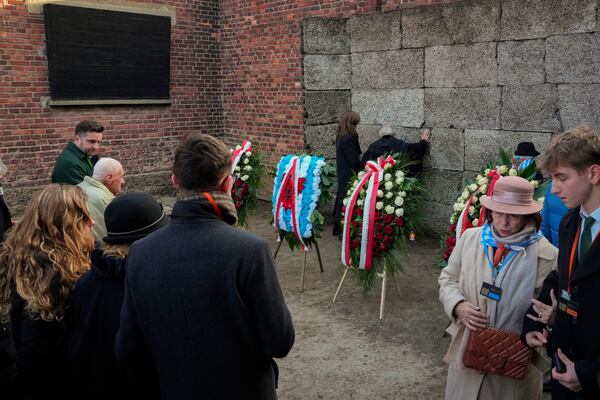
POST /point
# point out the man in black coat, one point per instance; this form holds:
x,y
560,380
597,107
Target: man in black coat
x,y
202,299
389,144
573,160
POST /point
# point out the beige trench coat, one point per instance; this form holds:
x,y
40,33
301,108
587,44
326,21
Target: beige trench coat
x,y
461,280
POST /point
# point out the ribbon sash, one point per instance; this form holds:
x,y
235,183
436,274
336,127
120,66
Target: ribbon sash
x,y
292,174
236,155
374,176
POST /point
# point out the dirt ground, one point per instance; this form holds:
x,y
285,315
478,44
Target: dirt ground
x,y
342,349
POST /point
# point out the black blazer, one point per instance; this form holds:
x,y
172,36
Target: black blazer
x,y
389,144
579,339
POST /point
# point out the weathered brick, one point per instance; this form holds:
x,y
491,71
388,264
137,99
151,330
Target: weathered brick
x,y
325,36
530,108
402,107
387,69
375,32
463,108
471,65
573,58
521,62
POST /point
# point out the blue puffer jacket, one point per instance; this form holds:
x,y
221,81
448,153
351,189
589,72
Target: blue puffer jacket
x,y
552,213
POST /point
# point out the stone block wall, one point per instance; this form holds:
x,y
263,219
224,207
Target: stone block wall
x,y
482,74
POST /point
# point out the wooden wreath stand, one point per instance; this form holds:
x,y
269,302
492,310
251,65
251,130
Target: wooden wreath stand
x,y
304,262
383,277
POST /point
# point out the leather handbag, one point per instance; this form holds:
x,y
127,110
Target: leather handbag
x,y
498,352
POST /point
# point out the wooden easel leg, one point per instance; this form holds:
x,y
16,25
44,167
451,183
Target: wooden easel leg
x,y
302,276
382,305
340,285
277,250
319,256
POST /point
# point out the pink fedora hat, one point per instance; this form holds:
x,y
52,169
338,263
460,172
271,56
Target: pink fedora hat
x,y
512,195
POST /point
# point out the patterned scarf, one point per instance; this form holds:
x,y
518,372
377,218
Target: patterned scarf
x,y
516,242
219,203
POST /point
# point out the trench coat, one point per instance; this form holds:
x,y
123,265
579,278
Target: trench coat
x,y
461,280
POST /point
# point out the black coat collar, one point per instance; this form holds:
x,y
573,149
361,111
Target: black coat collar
x,y
590,263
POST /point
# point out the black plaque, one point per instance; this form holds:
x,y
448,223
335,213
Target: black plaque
x,y
107,55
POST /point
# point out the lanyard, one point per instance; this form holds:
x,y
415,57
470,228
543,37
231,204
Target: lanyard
x,y
574,251
214,205
496,270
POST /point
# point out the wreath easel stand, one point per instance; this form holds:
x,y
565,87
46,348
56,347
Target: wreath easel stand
x,y
316,244
383,276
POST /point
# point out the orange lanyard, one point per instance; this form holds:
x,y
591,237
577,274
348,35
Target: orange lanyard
x,y
214,205
573,250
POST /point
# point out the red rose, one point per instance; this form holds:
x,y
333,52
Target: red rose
x,y
388,239
387,219
238,182
358,212
377,216
355,224
383,247
453,228
355,244
378,236
400,222
388,229
238,204
378,227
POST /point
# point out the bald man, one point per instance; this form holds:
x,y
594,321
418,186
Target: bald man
x,y
107,180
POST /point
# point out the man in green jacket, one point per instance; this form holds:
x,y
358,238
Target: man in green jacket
x,y
75,161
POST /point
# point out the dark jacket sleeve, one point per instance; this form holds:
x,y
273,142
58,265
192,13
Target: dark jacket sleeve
x,y
416,152
587,373
267,306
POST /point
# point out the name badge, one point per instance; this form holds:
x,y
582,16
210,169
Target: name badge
x,y
568,306
490,291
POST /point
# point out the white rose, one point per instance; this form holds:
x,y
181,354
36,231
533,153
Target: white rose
x,y
475,200
399,181
379,205
471,210
389,195
246,160
345,201
402,193
399,212
465,194
473,187
238,147
248,154
399,174
503,169
534,183
475,222
360,203
389,209
459,206
380,194
247,168
483,189
244,178
452,219
512,172
388,185
482,181
399,201
478,177
237,169
387,166
387,177
361,174
487,171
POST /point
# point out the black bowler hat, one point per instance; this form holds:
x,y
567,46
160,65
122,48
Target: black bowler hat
x,y
132,216
526,149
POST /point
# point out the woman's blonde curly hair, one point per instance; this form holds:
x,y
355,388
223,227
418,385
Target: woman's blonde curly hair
x,y
46,252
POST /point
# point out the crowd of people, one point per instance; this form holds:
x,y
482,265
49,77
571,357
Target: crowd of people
x,y
102,295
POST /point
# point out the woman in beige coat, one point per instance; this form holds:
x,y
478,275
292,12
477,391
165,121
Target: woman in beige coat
x,y
510,253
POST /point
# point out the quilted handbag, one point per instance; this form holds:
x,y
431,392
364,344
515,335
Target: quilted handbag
x,y
498,352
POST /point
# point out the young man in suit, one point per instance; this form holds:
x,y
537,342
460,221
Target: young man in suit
x,y
570,299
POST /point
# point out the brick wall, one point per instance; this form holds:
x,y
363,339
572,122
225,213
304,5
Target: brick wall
x,y
141,137
261,44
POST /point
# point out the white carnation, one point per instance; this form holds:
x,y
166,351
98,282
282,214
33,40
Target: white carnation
x,y
452,219
360,203
380,194
387,177
399,181
379,205
237,169
503,169
473,187
482,181
475,200
402,193
246,160
244,178
247,168
487,171
459,206
399,174
399,201
475,222
512,172
483,189
471,210
389,195
389,209
388,185
345,201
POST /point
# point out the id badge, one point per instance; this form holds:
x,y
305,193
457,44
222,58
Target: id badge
x,y
568,306
490,291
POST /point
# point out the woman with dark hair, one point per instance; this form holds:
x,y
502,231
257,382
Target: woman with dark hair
x,y
347,154
40,261
95,306
492,275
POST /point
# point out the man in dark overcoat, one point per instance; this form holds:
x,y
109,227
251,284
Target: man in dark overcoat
x,y
570,298
202,299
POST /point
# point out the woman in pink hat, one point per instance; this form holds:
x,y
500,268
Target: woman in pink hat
x,y
492,275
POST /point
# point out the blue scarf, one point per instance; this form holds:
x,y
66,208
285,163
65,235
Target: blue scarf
x,y
487,239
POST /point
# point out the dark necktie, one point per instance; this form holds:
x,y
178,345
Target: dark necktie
x,y
586,236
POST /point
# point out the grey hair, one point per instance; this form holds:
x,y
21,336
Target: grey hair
x,y
105,166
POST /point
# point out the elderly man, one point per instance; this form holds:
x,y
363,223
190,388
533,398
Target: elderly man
x,y
76,159
106,181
